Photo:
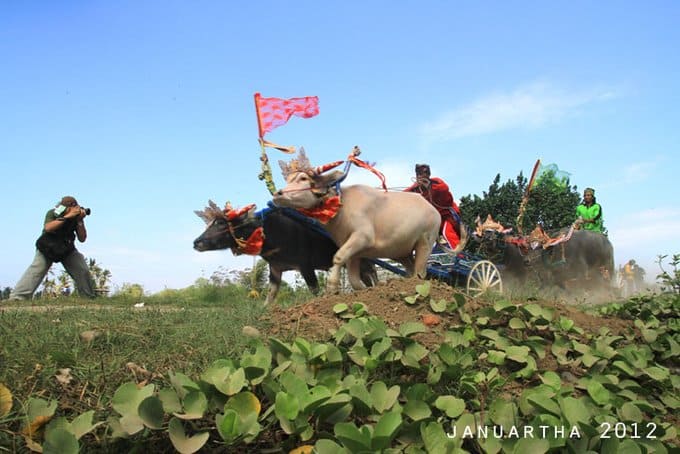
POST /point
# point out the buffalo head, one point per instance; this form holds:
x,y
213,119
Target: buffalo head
x,y
222,227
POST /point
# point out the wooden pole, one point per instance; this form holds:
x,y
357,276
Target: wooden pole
x,y
525,198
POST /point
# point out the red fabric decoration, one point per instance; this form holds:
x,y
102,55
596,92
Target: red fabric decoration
x,y
233,214
324,212
358,162
326,167
253,244
274,112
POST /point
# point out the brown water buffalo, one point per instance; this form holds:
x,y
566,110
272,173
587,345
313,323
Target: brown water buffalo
x,y
585,259
281,238
368,223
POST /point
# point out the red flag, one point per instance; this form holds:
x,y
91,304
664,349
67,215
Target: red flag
x,y
274,112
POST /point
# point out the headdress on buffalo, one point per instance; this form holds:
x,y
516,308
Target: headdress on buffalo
x,y
212,212
302,164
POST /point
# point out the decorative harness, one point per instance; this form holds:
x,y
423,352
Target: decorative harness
x,y
329,206
253,244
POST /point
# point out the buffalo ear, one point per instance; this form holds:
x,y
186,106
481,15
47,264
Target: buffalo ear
x,y
328,179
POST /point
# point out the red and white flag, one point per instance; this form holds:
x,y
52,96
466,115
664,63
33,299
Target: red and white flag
x,y
274,112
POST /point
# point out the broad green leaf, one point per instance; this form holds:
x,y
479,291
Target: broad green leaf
x,y
340,308
195,405
293,384
326,446
314,398
60,441
670,401
625,367
598,392
413,354
545,403
504,305
496,357
385,430
517,353
534,310
551,379
503,413
233,383
82,424
170,400
566,324
127,398
380,347
358,354
361,397
411,299
229,425
629,446
657,373
182,443
517,323
287,406
452,406
589,359
531,445
417,410
151,412
382,398
244,403
410,328
182,384
489,334
352,438
436,440
335,404
574,410
423,289
438,306
278,347
630,412
649,335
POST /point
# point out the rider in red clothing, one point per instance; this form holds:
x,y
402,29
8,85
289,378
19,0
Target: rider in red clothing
x,y
437,192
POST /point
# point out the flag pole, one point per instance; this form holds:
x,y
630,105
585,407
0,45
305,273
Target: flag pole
x,y
266,173
525,198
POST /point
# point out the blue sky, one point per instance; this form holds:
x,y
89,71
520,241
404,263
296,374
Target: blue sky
x,y
144,110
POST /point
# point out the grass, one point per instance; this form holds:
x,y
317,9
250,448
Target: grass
x,y
185,335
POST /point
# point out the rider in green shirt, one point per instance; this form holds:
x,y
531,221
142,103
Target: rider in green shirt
x,y
589,213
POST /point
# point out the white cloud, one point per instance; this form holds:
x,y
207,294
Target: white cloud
x,y
526,107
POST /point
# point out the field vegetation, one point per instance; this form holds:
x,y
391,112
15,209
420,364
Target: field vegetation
x,y
406,367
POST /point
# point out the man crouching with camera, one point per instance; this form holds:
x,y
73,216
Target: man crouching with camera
x,y
62,225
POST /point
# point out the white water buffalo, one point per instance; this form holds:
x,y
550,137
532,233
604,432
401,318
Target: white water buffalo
x,y
369,222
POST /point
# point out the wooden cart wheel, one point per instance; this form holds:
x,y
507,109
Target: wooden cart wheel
x,y
484,277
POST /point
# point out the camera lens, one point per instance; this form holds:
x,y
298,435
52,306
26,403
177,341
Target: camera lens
x,y
87,211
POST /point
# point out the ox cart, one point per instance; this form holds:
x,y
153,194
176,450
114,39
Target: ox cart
x,y
463,269
466,268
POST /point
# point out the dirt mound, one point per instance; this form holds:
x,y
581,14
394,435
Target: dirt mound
x,y
315,319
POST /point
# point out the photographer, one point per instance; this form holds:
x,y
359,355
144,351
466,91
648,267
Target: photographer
x,y
57,244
